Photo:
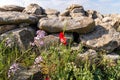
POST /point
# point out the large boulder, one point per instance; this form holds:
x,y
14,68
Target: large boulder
x,y
104,38
80,25
16,18
34,9
11,8
76,10
18,37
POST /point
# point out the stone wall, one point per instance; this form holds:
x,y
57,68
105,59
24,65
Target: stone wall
x,y
97,32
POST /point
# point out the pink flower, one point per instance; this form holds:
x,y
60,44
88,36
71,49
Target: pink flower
x,y
13,68
38,60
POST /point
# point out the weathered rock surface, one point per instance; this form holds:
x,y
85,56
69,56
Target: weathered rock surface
x,y
49,11
11,8
90,56
73,6
20,36
104,37
94,14
28,74
54,25
6,28
34,9
16,18
93,57
65,13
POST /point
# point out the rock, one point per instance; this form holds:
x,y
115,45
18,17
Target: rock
x,y
73,6
111,57
11,8
90,55
93,57
103,38
20,36
76,15
6,28
34,9
106,19
52,16
51,40
28,74
54,25
52,12
16,18
65,13
94,14
78,10
48,41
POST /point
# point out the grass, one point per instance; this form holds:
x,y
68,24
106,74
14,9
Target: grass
x,y
58,63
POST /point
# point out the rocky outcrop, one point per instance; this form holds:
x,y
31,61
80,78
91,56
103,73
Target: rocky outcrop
x,y
16,18
53,25
104,37
11,8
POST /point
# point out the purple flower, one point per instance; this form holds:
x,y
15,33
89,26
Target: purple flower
x,y
13,68
38,40
40,33
38,60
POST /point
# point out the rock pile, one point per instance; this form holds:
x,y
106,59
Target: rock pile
x,y
95,31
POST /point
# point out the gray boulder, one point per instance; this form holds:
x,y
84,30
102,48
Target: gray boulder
x,y
20,37
16,18
34,9
11,8
34,73
104,38
53,25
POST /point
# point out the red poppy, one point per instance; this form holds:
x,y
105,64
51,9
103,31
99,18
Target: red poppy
x,y
47,78
62,38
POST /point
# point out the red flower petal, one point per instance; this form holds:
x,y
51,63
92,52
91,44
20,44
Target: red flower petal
x,y
47,78
62,38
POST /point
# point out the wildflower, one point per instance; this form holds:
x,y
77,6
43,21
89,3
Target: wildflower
x,y
47,78
13,68
62,38
40,33
38,40
38,60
